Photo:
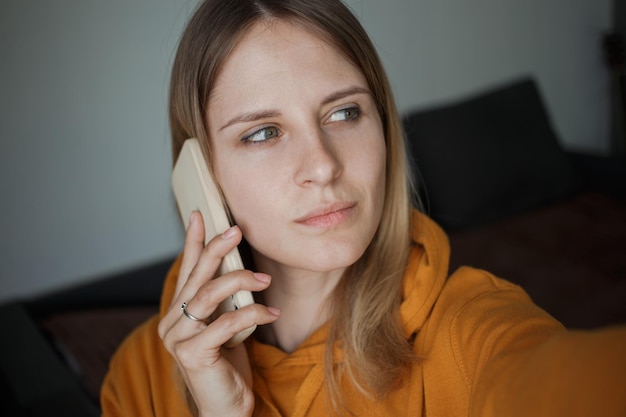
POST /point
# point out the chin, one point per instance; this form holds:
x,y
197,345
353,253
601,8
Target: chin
x,y
332,258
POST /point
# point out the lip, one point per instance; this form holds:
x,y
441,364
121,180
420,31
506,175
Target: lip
x,y
329,215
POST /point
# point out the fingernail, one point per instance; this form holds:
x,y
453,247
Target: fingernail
x,y
274,311
230,232
192,218
264,278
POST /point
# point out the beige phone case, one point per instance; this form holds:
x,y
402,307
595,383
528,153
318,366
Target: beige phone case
x,y
195,189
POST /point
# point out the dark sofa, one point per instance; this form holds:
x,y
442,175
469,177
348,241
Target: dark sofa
x,y
490,170
493,173
56,348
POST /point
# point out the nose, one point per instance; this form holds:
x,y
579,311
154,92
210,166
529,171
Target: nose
x,y
319,161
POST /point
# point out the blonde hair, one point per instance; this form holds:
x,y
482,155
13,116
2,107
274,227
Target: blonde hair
x,y
366,303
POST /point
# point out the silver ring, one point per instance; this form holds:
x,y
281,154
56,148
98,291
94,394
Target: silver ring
x,y
189,315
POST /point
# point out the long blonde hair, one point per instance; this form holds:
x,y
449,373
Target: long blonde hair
x,y
366,311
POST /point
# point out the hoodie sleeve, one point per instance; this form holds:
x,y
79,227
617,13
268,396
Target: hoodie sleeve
x,y
141,380
516,360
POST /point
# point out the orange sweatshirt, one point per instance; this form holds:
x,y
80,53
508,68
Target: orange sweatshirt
x,y
487,349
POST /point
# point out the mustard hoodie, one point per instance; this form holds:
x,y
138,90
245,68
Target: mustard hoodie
x,y
487,351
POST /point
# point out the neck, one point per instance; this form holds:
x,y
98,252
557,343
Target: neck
x,y
301,296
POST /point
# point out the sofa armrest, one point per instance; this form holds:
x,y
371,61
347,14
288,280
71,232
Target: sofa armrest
x,y
53,358
34,380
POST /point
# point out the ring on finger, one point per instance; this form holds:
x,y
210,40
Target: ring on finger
x,y
191,316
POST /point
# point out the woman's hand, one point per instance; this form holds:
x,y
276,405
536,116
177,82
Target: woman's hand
x,y
219,379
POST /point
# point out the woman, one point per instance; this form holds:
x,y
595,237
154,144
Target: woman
x,y
355,310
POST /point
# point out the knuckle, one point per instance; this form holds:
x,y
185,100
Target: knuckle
x,y
161,329
229,319
237,320
216,290
206,294
220,246
214,247
190,355
168,343
184,355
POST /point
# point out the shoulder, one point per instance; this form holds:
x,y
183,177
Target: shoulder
x,y
475,318
508,352
477,304
478,316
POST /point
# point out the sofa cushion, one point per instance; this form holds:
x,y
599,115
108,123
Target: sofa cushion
x,y
568,256
487,157
87,339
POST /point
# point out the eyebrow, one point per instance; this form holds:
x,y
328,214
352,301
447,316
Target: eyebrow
x,y
250,117
350,91
265,114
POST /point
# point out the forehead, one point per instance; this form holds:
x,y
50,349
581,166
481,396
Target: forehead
x,y
272,56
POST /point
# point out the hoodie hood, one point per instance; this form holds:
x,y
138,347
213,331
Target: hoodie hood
x,y
426,273
298,376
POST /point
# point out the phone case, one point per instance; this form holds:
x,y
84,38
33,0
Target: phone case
x,y
194,189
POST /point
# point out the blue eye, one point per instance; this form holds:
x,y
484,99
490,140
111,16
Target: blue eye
x,y
347,114
262,135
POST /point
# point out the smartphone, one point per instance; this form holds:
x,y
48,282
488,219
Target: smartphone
x,y
194,189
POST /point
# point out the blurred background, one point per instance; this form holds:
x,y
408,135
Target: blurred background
x,y
84,149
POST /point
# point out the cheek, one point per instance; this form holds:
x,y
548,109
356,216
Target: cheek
x,y
373,171
248,193
369,167
378,183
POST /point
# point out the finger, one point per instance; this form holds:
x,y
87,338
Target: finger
x,y
203,262
208,262
194,243
230,323
206,300
202,349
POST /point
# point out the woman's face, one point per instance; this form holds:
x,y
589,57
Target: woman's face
x,y
298,149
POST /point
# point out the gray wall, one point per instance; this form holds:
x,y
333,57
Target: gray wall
x,y
84,152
